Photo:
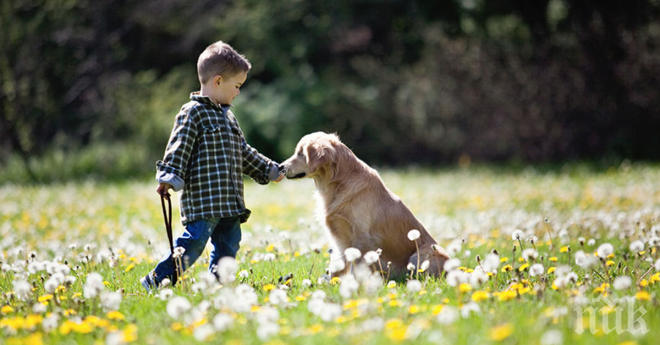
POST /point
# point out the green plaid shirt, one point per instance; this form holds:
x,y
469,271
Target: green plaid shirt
x,y
207,155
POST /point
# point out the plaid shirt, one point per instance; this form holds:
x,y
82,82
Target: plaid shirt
x,y
207,150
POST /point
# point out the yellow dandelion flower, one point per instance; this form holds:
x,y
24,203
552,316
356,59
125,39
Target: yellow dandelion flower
x,y
445,301
521,259
551,269
504,259
315,328
502,332
414,309
77,294
609,263
115,315
391,284
507,268
270,247
335,280
393,323
479,296
300,298
45,298
643,296
177,326
655,278
563,249
507,295
394,303
130,333
69,312
60,289
296,254
553,259
523,267
437,309
644,283
465,287
129,267
6,310
269,287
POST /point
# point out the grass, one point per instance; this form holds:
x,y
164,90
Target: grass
x,y
469,211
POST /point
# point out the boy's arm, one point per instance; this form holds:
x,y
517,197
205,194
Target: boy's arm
x,y
258,166
172,168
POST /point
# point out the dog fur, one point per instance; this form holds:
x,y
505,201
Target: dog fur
x,y
359,210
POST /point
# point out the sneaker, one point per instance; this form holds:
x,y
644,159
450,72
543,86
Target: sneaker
x,y
148,283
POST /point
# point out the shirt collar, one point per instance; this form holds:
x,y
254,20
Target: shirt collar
x,y
195,96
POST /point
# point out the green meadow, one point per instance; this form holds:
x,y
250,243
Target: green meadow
x,y
566,255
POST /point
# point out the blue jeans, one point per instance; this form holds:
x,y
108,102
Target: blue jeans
x,y
225,234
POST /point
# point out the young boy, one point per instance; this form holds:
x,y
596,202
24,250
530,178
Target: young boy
x,y
206,157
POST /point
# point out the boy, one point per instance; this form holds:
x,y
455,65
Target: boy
x,y
206,157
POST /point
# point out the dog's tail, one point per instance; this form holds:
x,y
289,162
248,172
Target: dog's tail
x,y
435,255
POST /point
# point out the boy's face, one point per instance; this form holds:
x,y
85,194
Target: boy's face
x,y
226,89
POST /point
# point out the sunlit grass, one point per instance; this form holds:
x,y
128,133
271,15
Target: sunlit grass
x,y
117,230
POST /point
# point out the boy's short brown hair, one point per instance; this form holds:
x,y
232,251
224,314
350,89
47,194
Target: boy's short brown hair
x,y
220,59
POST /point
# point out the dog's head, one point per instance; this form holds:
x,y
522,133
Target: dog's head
x,y
316,153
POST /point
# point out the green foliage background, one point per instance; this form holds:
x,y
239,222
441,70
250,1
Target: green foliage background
x,y
93,87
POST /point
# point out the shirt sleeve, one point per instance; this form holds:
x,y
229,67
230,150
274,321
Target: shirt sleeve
x,y
179,147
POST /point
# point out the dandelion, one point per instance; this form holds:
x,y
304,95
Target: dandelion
x,y
456,278
222,322
452,264
178,252
203,332
530,253
165,294
410,267
110,301
605,250
502,332
337,266
306,283
622,283
165,282
278,297
425,265
479,296
227,268
517,235
177,306
491,263
478,278
591,242
447,315
93,285
330,312
413,235
637,246
536,270
349,286
22,289
371,257
470,308
414,286
352,254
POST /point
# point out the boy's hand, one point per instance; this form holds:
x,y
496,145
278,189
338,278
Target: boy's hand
x,y
163,189
280,177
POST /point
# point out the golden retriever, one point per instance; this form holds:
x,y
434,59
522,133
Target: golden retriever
x,y
359,210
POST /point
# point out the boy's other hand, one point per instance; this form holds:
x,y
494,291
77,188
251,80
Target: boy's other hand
x,y
163,189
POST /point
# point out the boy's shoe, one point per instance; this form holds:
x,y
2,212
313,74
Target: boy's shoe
x,y
148,283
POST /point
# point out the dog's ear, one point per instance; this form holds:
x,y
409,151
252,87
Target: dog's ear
x,y
316,156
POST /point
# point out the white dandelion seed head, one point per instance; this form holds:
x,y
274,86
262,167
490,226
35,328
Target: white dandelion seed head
x,y
470,308
203,332
165,282
413,234
22,289
425,265
93,285
532,239
165,294
352,254
306,283
563,270
371,257
269,257
222,322
348,286
604,250
110,301
268,314
454,248
319,294
584,261
414,286
636,246
452,264
278,297
478,277
227,268
456,278
330,312
552,337
379,251
447,315
177,306
243,274
536,270
530,253
517,235
410,266
622,283
337,266
39,308
51,285
591,242
491,263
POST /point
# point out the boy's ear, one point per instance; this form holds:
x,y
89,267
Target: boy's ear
x,y
216,80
